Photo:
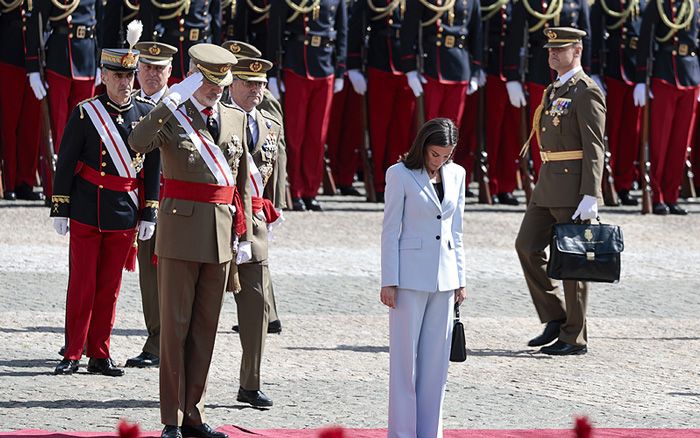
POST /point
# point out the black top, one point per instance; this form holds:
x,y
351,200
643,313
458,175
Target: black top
x,y
439,190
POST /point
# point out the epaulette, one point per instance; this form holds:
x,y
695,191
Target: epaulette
x,y
268,115
140,98
80,105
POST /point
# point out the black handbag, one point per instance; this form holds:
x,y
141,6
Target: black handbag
x,y
585,252
458,352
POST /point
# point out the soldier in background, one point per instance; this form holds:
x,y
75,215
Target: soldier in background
x,y
248,22
312,38
116,15
390,101
671,28
19,109
71,56
529,19
615,31
182,24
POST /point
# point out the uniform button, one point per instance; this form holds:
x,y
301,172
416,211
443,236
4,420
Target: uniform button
x,y
546,113
439,216
102,173
160,120
544,128
437,237
391,21
182,39
673,53
307,28
174,210
101,186
104,152
104,164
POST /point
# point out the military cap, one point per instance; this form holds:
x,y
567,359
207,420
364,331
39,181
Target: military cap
x,y
562,36
119,59
155,53
214,62
241,49
252,69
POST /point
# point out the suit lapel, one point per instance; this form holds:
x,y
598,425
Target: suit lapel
x,y
565,87
263,129
446,177
421,178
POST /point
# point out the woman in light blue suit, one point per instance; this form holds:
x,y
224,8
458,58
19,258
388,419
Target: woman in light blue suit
x,y
423,275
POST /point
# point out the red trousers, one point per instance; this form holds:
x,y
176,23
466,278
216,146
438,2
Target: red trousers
x,y
392,107
96,262
345,135
465,154
64,94
444,100
502,137
624,121
307,106
672,120
536,91
695,152
19,127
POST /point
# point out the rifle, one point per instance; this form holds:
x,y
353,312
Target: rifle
x,y
420,104
608,187
644,165
47,159
481,169
688,186
366,149
279,56
526,179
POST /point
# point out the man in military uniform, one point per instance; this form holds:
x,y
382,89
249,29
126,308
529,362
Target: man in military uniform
x,y
255,299
19,110
200,141
71,56
452,42
182,24
97,188
155,65
533,74
616,25
312,38
391,103
671,28
570,123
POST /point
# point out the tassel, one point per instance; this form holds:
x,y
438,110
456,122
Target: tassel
x,y
126,430
130,264
333,432
583,428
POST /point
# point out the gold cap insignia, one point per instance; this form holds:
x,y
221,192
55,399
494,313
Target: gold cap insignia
x,y
256,67
551,34
588,234
154,50
128,60
224,68
234,48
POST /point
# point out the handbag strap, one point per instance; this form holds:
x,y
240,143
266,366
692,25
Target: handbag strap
x,y
457,311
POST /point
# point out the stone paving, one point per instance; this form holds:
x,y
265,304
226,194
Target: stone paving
x,y
330,364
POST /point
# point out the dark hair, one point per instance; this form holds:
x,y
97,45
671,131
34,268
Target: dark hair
x,y
437,132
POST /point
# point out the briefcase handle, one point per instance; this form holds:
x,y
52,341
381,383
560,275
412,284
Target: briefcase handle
x,y
457,311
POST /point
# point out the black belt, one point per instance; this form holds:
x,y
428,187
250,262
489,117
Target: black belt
x,y
312,40
387,32
679,49
448,41
80,31
189,34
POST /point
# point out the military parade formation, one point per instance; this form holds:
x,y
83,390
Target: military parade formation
x,y
173,133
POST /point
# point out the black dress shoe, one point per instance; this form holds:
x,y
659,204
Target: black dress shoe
x,y
677,209
62,351
26,192
298,204
506,198
349,191
468,193
10,196
171,432
105,367
201,431
273,327
626,198
254,398
143,360
312,204
561,348
660,208
67,366
550,333
380,197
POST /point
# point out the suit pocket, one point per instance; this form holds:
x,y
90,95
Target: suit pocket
x,y
410,243
180,207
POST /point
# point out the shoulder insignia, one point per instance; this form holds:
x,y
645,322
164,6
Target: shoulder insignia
x,y
140,98
268,115
80,105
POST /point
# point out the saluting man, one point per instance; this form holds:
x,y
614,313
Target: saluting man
x,y
200,141
97,190
570,124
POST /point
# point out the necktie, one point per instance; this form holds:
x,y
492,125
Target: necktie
x,y
249,134
212,124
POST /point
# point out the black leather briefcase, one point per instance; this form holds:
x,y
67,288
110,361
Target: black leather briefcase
x,y
585,252
458,351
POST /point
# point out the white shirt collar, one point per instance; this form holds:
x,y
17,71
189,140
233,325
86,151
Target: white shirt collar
x,y
157,96
568,75
201,107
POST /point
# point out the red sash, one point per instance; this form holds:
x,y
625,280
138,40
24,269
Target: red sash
x,y
265,205
106,181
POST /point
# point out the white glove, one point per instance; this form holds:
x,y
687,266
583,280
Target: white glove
x,y
146,230
60,224
639,92
358,81
245,252
482,78
98,77
473,85
587,208
516,94
275,87
38,87
599,83
415,81
338,85
182,91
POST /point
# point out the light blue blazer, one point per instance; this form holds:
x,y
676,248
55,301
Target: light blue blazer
x,y
422,246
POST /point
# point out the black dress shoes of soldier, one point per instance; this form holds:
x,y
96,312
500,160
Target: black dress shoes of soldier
x,y
626,198
506,198
9,196
273,327
677,209
660,208
561,348
26,192
312,204
143,360
67,366
171,432
298,204
349,191
254,398
550,333
104,366
201,431
380,197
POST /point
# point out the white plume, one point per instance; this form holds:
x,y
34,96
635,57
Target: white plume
x,y
133,32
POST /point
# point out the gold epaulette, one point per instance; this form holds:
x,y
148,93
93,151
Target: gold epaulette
x,y
80,105
152,204
57,200
143,99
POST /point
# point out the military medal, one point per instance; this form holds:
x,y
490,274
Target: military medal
x,y
230,150
190,159
119,119
137,162
555,121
